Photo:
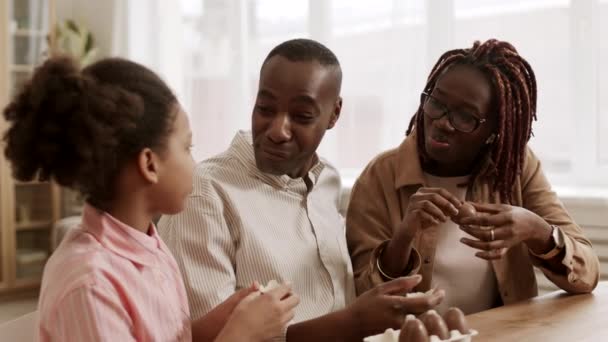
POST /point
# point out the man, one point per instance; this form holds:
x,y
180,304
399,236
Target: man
x,y
267,208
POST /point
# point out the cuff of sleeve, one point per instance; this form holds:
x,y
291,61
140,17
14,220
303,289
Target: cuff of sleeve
x,y
413,265
282,337
558,246
567,260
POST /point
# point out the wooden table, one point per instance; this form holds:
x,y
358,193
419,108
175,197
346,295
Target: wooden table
x,y
556,316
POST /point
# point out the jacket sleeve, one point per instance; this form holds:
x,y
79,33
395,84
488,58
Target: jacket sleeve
x,y
581,262
369,228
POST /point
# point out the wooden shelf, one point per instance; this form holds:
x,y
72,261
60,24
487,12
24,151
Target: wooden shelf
x,y
10,293
30,265
21,68
29,33
32,183
24,45
27,283
34,225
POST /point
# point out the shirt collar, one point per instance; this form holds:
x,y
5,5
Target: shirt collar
x,y
242,149
408,163
120,238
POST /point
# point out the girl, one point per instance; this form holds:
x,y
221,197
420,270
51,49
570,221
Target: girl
x,y
116,133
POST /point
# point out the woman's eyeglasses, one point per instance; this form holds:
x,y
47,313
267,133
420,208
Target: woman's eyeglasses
x,y
461,120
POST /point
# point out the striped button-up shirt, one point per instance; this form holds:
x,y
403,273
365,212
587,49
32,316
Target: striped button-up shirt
x,y
109,282
241,225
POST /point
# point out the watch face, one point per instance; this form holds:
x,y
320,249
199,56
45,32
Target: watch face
x,y
558,238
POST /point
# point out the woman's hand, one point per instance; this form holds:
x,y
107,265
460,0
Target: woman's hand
x,y
427,207
507,226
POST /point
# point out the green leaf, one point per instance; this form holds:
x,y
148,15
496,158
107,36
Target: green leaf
x,y
72,25
89,42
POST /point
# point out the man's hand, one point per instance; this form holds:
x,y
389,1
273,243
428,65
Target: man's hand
x,y
386,306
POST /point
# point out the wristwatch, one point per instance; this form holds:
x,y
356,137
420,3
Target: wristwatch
x,y
558,239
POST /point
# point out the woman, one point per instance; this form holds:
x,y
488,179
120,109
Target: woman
x,y
468,141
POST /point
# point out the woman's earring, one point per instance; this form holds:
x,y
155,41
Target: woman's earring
x,y
491,139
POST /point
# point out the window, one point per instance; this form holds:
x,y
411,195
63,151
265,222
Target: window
x,y
387,48
484,8
279,18
382,51
540,30
602,128
351,16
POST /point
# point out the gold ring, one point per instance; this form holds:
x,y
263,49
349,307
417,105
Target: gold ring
x,y
491,234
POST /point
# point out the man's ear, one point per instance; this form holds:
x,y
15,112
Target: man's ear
x,y
336,113
148,165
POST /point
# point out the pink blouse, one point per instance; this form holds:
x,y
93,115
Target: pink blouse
x,y
110,282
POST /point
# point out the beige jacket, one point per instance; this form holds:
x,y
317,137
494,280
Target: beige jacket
x,y
380,198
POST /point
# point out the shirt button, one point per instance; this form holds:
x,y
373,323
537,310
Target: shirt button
x,y
427,260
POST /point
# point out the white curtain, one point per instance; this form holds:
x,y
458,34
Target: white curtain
x,y
210,51
152,35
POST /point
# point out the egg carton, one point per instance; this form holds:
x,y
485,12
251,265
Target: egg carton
x,y
391,335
